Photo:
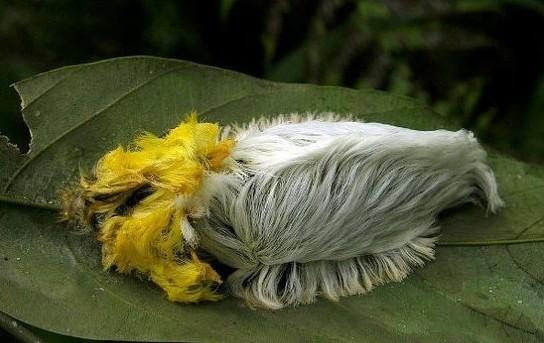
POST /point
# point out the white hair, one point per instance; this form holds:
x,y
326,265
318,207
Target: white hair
x,y
320,205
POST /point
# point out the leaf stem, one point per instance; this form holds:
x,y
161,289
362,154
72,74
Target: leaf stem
x,y
14,200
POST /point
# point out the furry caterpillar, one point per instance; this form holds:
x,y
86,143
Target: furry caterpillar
x,y
319,205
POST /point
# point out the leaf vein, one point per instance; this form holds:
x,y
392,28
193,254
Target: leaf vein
x,y
78,125
471,308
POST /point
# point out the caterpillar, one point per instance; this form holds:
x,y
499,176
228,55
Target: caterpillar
x,y
294,207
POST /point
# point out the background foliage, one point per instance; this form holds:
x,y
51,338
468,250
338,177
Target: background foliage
x,y
476,61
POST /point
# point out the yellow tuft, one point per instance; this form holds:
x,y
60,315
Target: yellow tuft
x,y
137,198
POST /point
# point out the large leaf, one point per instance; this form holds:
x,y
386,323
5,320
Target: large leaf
x,y
52,279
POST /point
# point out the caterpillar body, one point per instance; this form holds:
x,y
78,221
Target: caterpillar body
x,y
296,206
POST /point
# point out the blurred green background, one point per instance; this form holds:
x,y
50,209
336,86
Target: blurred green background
x,y
478,62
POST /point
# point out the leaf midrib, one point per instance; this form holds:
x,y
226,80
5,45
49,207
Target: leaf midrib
x,y
17,201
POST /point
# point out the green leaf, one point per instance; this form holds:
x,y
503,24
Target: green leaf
x,y
51,278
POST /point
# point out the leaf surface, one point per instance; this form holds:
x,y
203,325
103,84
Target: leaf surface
x,y
482,286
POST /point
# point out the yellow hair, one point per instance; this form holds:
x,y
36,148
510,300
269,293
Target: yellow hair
x,y
143,233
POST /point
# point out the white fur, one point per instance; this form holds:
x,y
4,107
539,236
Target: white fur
x,y
317,205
